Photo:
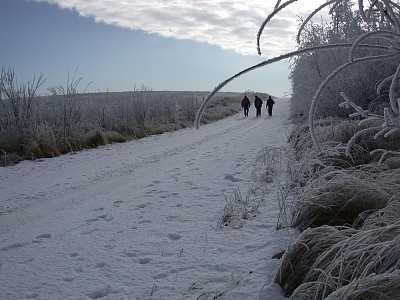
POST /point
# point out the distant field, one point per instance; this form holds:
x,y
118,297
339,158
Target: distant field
x,y
52,125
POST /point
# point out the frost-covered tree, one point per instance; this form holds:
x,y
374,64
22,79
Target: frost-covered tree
x,y
371,39
309,70
68,106
17,109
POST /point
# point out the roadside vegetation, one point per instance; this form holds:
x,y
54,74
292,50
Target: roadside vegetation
x,y
67,120
343,186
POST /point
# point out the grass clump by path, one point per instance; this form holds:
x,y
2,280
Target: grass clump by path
x,y
349,210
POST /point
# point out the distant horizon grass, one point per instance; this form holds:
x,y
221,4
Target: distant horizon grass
x,y
67,121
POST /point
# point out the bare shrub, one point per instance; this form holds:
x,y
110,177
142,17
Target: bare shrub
x,y
238,208
68,106
163,109
141,104
17,113
189,107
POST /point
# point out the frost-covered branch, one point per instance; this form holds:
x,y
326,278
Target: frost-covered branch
x,y
357,135
359,111
382,33
392,93
311,16
385,153
322,86
276,10
274,60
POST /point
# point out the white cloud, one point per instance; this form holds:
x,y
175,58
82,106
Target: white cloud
x,y
228,24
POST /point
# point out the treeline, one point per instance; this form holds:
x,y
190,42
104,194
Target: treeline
x,y
67,120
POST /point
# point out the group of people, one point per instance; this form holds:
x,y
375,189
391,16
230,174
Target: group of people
x,y
258,104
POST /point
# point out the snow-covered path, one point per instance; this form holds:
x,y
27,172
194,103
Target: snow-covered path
x,y
138,220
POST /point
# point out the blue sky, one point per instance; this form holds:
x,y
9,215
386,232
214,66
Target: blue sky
x,y
165,45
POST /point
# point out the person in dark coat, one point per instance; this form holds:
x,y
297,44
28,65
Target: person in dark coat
x,y
246,104
258,104
270,104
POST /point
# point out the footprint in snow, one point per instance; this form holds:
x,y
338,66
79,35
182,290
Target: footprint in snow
x,y
68,279
44,236
32,296
102,292
144,222
14,246
104,217
90,221
89,231
118,203
41,237
100,265
144,261
175,237
129,254
232,178
143,205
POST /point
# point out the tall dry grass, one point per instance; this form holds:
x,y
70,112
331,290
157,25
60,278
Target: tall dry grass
x,y
375,287
363,254
349,210
68,121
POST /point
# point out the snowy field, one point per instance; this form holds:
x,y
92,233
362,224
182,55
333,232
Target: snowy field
x,y
139,220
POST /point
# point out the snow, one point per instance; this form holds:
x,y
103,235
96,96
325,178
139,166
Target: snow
x,y
139,220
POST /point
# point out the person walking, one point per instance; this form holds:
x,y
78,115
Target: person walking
x,y
245,105
270,104
258,104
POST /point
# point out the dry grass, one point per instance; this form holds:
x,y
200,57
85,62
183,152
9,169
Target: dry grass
x,y
115,137
301,256
44,141
353,207
390,214
239,208
333,134
376,287
363,254
338,199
